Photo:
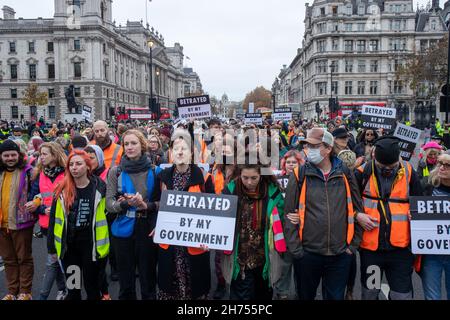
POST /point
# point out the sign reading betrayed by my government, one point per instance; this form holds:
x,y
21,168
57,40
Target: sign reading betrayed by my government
x,y
198,107
430,225
378,117
194,219
409,137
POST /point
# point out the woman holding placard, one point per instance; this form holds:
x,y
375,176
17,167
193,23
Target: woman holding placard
x,y
253,267
432,266
131,193
183,273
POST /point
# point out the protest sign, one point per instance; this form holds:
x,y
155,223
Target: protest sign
x,y
282,114
378,117
198,107
409,137
194,219
255,118
430,225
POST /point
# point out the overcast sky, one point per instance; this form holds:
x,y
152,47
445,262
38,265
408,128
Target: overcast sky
x,y
234,45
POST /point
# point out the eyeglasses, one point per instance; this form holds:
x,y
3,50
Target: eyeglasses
x,y
313,146
446,166
369,134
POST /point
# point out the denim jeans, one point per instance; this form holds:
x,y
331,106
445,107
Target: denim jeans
x,y
53,271
431,274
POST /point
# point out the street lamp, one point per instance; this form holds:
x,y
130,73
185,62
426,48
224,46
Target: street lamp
x,y
150,44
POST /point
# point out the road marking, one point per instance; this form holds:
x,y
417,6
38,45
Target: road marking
x,y
385,290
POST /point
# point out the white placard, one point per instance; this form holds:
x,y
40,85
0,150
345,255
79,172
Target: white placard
x,y
86,112
195,219
251,107
253,118
198,107
287,116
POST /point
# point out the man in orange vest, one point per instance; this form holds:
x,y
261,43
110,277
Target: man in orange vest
x,y
112,152
321,200
386,184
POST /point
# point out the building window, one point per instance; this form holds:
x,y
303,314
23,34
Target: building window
x,y
348,87
334,11
361,87
322,66
348,45
12,47
373,45
348,27
32,68
321,45
321,88
13,72
398,87
51,93
334,87
13,93
52,112
361,26
77,69
106,72
361,45
361,66
335,44
321,27
349,66
31,47
334,66
77,44
77,92
15,112
322,11
374,66
76,3
50,47
373,87
51,71
423,46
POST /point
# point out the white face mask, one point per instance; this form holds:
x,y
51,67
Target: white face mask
x,y
314,156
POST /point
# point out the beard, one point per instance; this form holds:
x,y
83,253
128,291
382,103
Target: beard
x,y
103,142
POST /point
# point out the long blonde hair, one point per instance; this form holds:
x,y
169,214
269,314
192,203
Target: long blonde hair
x,y
57,151
433,178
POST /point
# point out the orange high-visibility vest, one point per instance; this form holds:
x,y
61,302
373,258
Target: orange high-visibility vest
x,y
350,210
398,206
113,155
219,180
46,189
192,251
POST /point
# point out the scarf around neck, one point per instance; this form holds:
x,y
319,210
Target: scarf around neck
x,y
53,172
143,164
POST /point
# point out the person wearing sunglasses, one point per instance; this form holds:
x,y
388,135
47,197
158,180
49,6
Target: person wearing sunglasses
x,y
366,141
432,266
386,183
432,150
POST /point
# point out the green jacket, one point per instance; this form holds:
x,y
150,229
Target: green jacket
x,y
271,270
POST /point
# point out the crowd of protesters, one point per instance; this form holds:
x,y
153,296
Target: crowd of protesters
x,y
92,192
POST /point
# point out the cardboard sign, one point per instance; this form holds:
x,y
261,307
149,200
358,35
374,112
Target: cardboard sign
x,y
409,137
283,182
198,107
378,117
193,219
255,118
86,112
430,225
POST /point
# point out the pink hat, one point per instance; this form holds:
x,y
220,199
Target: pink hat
x,y
432,145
